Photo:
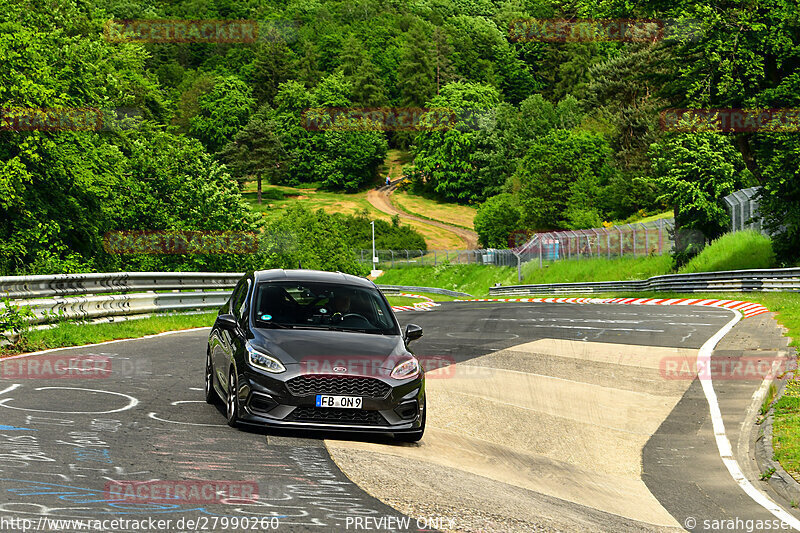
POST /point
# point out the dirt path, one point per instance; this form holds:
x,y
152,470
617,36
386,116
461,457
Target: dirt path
x,y
381,200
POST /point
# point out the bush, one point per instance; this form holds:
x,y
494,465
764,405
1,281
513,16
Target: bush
x,y
388,236
496,219
315,240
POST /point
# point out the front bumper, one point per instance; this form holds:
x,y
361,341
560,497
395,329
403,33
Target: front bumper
x,y
270,401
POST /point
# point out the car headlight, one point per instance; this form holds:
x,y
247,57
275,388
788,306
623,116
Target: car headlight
x,y
406,369
264,361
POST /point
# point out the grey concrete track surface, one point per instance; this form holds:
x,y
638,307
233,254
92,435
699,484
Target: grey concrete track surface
x,y
63,440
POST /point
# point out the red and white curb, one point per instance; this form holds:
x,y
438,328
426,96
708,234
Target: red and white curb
x,y
748,309
427,305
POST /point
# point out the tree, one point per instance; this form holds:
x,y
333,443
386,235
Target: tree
x,y
257,150
270,68
444,156
445,73
306,66
416,74
695,171
560,178
624,94
496,220
223,112
780,196
312,238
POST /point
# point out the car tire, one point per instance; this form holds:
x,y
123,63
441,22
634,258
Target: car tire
x,y
210,392
414,436
232,401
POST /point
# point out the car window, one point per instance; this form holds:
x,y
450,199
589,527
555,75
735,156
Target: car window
x,y
242,301
324,306
239,298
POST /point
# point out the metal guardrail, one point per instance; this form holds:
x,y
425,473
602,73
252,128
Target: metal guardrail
x,y
96,295
86,307
780,279
434,290
17,287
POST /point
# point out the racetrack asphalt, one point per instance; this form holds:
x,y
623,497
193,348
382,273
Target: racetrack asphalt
x,y
66,441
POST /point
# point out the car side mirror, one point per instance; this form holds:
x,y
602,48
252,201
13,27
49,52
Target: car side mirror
x,y
413,332
227,321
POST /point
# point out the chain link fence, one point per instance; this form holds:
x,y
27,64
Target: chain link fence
x,y
395,258
635,240
742,206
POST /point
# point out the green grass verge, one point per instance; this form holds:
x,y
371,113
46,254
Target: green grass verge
x,y
472,279
436,210
734,251
404,300
69,334
786,428
599,269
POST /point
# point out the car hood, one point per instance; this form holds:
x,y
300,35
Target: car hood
x,y
318,350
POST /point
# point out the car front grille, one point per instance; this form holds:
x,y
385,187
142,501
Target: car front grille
x,y
336,416
351,386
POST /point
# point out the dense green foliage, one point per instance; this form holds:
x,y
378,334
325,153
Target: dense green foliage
x,y
495,221
570,130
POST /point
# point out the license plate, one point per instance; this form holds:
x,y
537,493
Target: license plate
x,y
343,402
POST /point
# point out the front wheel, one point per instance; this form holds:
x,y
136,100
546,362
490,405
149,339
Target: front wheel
x,y
414,436
232,401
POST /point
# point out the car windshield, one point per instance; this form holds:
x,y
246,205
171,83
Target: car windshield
x,y
322,306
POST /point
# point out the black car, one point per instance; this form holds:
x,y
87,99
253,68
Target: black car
x,y
315,350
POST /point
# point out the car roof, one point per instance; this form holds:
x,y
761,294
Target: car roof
x,y
279,274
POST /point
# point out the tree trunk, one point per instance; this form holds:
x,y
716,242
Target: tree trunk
x,y
259,189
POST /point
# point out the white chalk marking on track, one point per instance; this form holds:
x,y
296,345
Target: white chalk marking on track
x,y
723,444
10,388
132,402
